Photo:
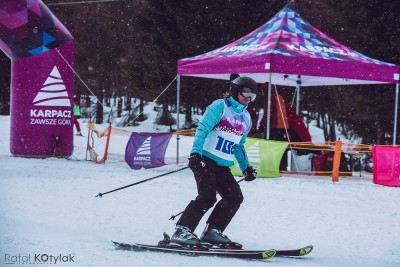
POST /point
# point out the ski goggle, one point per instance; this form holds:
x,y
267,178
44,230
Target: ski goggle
x,y
248,93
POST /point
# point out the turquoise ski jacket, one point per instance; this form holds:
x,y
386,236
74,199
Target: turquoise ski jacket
x,y
210,119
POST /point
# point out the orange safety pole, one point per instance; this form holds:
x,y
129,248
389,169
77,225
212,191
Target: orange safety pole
x,y
107,143
336,161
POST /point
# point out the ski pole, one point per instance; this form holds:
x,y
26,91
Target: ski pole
x,y
145,180
174,216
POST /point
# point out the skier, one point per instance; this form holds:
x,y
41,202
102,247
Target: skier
x,y
219,138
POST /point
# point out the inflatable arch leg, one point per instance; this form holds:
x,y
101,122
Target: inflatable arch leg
x,y
42,54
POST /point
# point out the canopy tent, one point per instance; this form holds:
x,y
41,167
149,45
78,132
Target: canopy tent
x,y
289,51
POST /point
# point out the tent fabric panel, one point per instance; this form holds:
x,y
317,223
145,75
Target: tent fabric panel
x,y
288,80
318,71
236,64
337,69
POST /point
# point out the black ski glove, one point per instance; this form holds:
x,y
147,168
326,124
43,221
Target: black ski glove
x,y
196,162
249,174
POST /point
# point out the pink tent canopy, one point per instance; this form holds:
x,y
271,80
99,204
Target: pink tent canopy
x,y
288,46
289,51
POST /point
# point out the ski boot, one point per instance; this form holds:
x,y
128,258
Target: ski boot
x,y
213,236
184,238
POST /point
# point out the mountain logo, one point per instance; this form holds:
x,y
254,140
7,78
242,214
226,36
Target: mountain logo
x,y
144,149
53,92
253,152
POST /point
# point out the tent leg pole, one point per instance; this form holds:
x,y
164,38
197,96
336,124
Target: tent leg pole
x,y
396,105
269,108
298,95
178,94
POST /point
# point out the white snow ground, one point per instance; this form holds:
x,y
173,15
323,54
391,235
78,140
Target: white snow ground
x,y
48,206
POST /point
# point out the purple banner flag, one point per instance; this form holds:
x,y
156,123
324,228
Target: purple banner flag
x,y
146,150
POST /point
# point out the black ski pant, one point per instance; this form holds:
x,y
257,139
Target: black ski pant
x,y
210,180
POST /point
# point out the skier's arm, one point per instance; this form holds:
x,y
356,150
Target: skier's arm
x,y
240,152
211,117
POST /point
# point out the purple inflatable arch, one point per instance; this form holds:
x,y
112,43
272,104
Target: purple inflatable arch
x,y
42,54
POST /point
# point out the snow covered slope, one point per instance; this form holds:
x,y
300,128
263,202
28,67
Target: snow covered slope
x,y
48,206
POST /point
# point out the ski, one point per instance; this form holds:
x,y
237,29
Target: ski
x,y
279,253
236,248
208,250
239,254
